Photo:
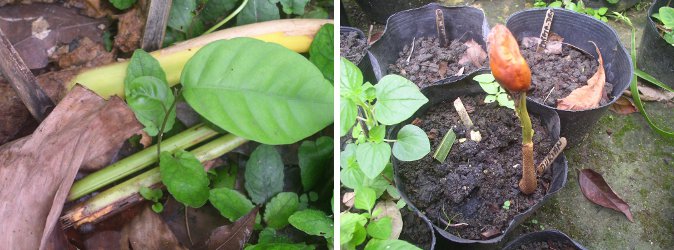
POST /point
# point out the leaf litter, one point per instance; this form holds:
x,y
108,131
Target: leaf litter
x,y
595,189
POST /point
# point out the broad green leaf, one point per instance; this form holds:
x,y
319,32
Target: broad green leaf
x,y
348,224
412,144
151,194
258,11
321,51
377,133
314,159
231,204
350,78
181,14
354,178
279,101
269,235
666,16
184,177
280,246
347,115
376,244
279,208
225,176
490,88
143,64
489,98
380,229
504,101
312,222
215,10
122,4
264,174
669,37
397,99
484,78
373,157
151,100
602,11
365,199
359,236
292,6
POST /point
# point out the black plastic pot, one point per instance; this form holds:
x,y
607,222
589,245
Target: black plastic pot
x,y
543,236
619,6
380,10
577,30
463,23
656,56
364,64
427,223
467,87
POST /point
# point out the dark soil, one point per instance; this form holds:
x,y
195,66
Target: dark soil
x,y
552,245
431,62
352,47
476,178
565,72
415,230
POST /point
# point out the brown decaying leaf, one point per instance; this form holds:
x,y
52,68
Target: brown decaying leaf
x,y
650,94
234,236
490,233
130,28
348,199
623,106
389,209
474,54
87,54
202,221
37,171
442,69
36,29
588,96
595,189
148,231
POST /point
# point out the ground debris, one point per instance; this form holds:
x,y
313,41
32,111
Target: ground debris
x,y
87,54
130,28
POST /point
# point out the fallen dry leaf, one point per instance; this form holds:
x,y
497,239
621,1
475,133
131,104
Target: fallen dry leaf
x,y
129,30
442,69
588,96
41,167
148,231
650,94
460,72
348,199
202,221
389,209
490,233
623,106
234,236
35,30
92,8
87,54
595,189
474,54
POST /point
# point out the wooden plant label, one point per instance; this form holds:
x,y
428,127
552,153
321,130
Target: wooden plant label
x,y
554,152
440,27
545,31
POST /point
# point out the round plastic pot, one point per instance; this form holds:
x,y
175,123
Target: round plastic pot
x,y
619,6
542,236
380,10
656,56
364,64
462,23
578,30
430,227
468,87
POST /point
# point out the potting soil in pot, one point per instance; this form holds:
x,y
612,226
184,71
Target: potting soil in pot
x,y
476,179
415,230
352,47
431,62
564,69
547,245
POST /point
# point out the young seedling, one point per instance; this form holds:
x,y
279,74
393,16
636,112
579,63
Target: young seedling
x,y
666,16
506,205
513,74
494,91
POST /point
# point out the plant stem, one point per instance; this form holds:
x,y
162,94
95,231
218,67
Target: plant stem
x,y
528,182
138,161
243,4
126,193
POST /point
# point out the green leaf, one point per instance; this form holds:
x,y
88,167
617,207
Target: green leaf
x,y
359,236
372,157
489,98
490,88
412,144
150,99
321,51
347,115
143,64
181,14
107,41
151,194
353,177
269,235
278,101
445,146
122,4
380,229
312,222
555,4
484,78
377,133
350,78
365,199
231,204
172,36
316,13
313,196
376,244
280,246
401,204
314,159
279,208
504,101
602,11
292,6
393,192
397,99
258,11
264,174
370,93
157,207
669,37
184,177
225,176
215,10
348,224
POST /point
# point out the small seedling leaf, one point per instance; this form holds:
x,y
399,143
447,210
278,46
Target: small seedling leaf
x,y
377,133
312,222
373,157
349,223
445,146
365,199
491,88
184,177
279,208
264,174
157,207
122,4
225,176
314,159
347,115
151,194
397,99
380,229
150,99
412,144
489,99
231,204
143,64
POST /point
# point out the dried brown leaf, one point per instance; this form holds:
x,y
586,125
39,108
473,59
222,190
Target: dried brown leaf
x,y
148,231
490,233
588,96
234,236
130,28
36,29
442,69
623,106
348,199
595,189
651,94
474,54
